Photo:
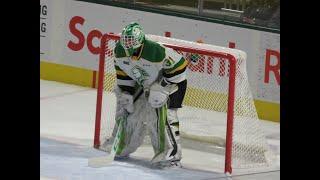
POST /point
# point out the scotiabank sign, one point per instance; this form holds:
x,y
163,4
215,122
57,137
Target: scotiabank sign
x,y
272,68
85,23
203,65
82,39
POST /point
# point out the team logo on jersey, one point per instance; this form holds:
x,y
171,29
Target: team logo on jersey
x,y
139,74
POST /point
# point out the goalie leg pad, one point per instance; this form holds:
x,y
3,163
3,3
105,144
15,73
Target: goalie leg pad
x,y
107,144
134,130
164,141
174,123
124,100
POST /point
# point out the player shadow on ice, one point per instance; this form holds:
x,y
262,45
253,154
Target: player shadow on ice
x,y
63,149
174,173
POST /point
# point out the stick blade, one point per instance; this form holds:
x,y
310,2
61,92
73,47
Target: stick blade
x,y
98,162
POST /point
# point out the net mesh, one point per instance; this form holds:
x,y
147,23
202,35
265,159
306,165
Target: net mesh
x,y
204,113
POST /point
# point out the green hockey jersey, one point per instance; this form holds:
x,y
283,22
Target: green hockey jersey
x,y
154,60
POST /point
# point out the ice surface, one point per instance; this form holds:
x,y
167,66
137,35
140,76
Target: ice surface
x,y
67,115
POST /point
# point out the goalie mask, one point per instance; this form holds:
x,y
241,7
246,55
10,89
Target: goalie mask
x,y
132,38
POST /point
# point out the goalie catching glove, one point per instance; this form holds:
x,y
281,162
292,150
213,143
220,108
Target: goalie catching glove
x,y
159,93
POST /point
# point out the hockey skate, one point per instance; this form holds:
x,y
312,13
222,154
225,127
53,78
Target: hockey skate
x,y
167,164
121,158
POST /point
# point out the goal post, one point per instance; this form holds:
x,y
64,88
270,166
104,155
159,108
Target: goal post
x,y
217,85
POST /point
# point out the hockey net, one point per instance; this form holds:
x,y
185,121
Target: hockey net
x,y
218,107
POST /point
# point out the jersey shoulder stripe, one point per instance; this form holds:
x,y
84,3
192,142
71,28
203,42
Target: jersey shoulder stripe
x,y
177,67
120,72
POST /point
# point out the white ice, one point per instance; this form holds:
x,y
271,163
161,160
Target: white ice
x,y
67,114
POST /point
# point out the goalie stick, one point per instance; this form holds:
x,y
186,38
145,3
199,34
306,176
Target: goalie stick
x,y
102,161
